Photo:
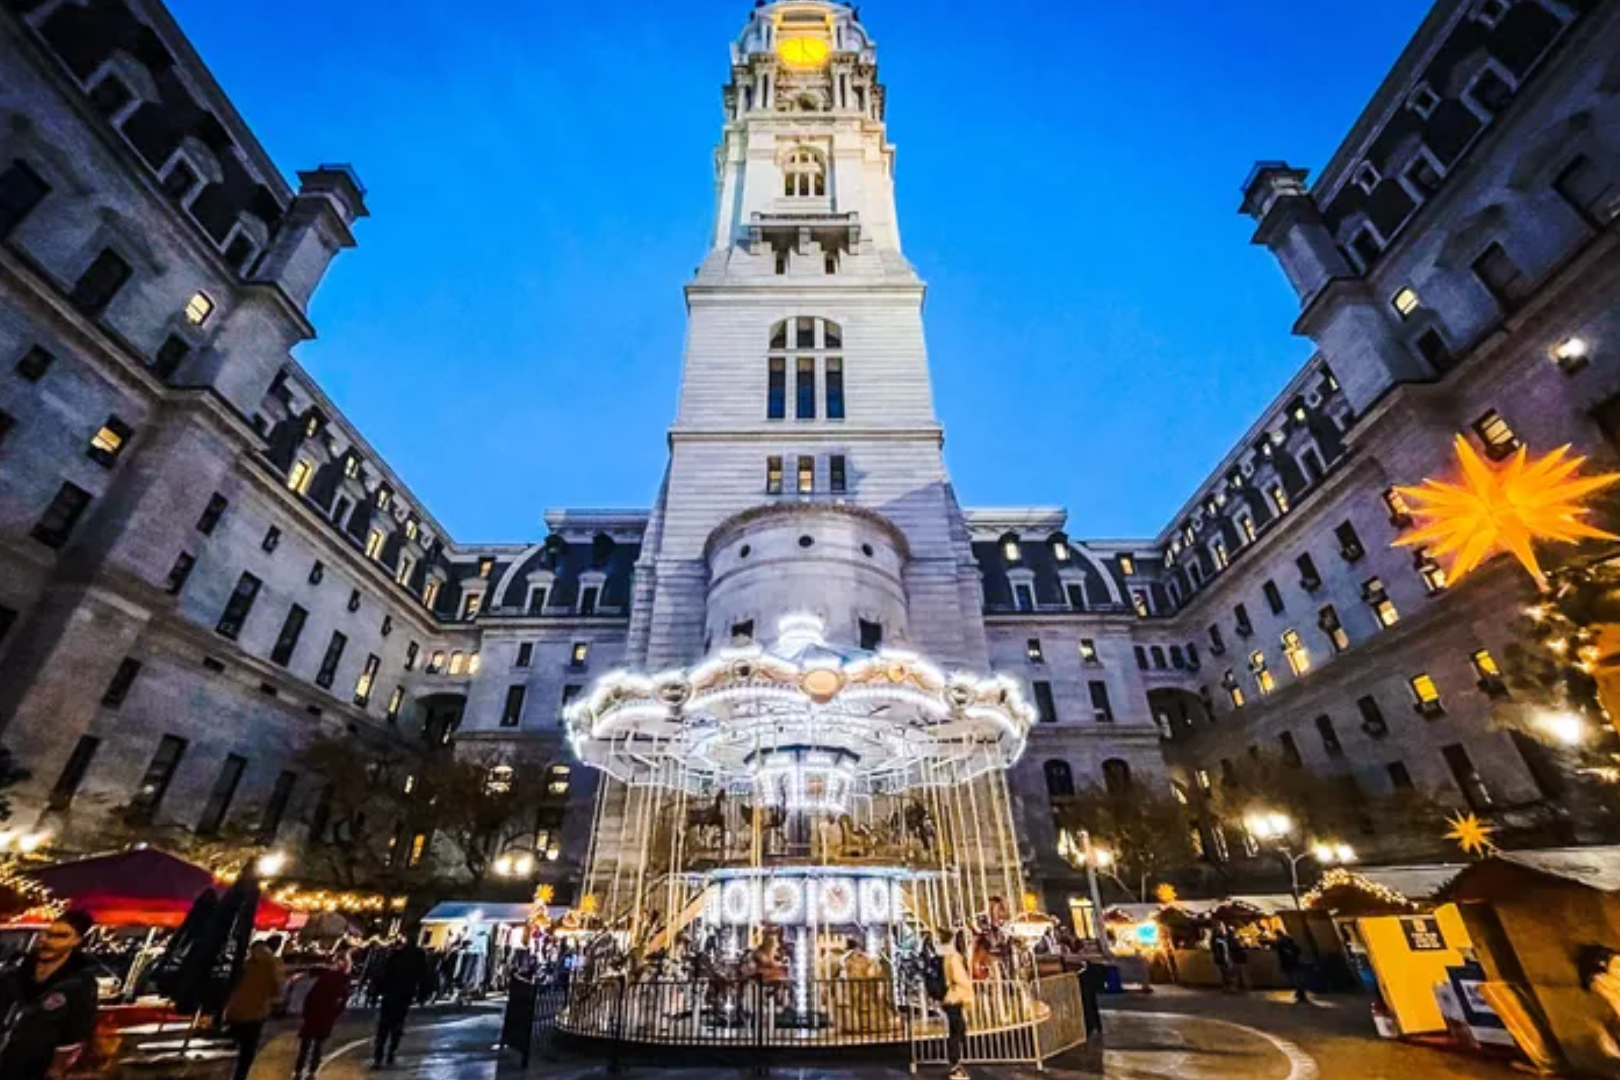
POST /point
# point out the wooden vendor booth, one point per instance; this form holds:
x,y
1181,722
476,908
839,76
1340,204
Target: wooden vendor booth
x,y
1546,928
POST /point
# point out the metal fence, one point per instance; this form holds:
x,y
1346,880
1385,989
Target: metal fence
x,y
754,1022
1011,1022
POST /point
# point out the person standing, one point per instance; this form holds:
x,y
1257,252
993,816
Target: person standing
x,y
1220,950
958,996
1292,962
255,995
48,1003
404,977
1240,961
324,1003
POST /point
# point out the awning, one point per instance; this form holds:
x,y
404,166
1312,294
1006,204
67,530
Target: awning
x,y
473,911
141,887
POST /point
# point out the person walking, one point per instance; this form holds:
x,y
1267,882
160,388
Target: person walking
x,y
1292,962
405,976
48,1003
324,1003
958,996
254,997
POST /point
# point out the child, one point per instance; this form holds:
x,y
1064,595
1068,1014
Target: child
x,y
322,1006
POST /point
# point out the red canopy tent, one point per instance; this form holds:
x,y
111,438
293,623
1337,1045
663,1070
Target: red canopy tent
x,y
141,887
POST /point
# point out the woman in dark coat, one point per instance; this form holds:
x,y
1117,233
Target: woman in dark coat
x,y
322,1006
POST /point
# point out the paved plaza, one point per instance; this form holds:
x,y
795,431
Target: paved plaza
x,y
1186,1035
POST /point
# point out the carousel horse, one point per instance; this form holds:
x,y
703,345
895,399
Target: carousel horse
x,y
990,955
915,822
770,820
854,840
709,818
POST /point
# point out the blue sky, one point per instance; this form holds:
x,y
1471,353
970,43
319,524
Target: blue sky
x,y
508,333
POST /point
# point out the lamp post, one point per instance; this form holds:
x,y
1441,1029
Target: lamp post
x,y
1277,830
1080,851
514,864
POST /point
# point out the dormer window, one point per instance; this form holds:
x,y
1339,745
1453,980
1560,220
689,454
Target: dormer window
x,y
1490,12
351,467
179,180
111,97
240,252
1366,247
1366,177
1423,100
198,308
384,498
1011,549
1489,92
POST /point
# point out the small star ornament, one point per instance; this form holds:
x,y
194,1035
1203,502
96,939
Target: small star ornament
x,y
1472,835
1506,507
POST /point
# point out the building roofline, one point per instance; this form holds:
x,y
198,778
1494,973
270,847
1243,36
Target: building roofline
x,y
1430,35
192,63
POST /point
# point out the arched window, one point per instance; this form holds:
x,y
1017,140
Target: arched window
x,y
1116,776
808,348
1059,779
804,174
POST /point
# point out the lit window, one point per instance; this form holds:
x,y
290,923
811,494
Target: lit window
x,y
557,780
1263,678
1484,664
1400,514
581,651
430,592
458,662
198,308
1426,694
807,474
773,476
107,443
1140,602
1377,599
1497,437
1234,694
498,780
1011,550
418,848
410,783
435,664
351,466
1328,620
1088,651
1127,565
395,701
1432,573
1033,650
1246,523
411,529
1060,549
470,604
1299,659
1279,498
299,476
374,544
1203,778
368,675
406,568
1406,301
1218,551
384,497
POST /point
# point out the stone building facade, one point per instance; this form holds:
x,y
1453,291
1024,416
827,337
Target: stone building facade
x,y
205,565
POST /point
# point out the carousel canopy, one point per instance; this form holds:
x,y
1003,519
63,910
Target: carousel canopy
x,y
805,712
142,887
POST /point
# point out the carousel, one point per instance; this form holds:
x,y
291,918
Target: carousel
x,y
782,831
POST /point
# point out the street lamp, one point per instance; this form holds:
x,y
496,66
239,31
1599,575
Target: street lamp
x,y
1277,830
519,864
1081,851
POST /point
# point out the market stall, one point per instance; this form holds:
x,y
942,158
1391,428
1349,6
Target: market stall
x,y
474,941
1546,927
1189,927
142,887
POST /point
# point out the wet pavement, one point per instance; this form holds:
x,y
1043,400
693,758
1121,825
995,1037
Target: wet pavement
x,y
1170,1035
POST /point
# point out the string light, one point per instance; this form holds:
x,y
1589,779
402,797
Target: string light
x,y
1339,878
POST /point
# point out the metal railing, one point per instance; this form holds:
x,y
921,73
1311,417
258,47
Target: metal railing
x,y
1011,1022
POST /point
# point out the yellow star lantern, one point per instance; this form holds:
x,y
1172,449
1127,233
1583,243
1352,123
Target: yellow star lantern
x,y
1471,834
1165,893
1503,507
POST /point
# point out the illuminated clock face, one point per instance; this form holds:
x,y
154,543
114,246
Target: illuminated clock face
x,y
803,52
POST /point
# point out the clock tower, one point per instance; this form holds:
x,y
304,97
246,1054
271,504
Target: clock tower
x,y
806,473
